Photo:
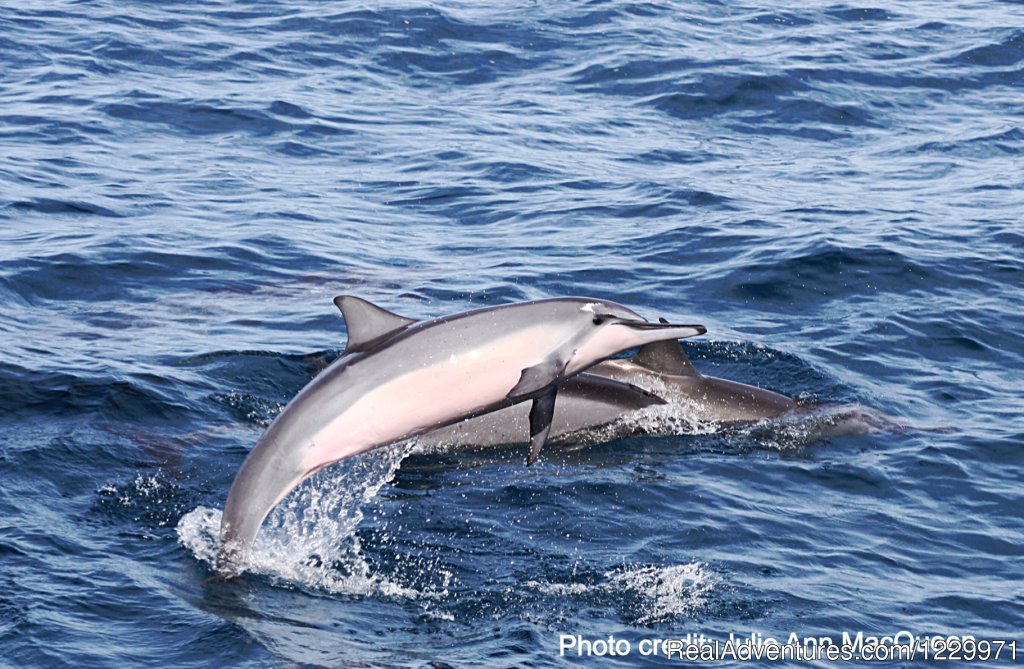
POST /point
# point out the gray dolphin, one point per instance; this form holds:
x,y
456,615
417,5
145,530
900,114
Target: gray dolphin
x,y
586,401
398,378
659,373
662,368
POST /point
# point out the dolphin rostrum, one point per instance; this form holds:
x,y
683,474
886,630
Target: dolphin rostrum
x,y
398,378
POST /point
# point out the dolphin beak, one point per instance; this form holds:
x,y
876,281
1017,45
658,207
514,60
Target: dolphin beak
x,y
646,333
622,334
631,333
685,330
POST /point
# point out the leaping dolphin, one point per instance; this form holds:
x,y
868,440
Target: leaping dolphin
x,y
660,373
398,378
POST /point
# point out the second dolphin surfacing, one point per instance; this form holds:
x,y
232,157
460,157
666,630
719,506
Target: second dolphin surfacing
x,y
398,379
660,373
609,395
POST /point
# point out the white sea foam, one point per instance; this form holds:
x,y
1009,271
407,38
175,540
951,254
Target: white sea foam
x,y
658,420
310,538
667,592
663,593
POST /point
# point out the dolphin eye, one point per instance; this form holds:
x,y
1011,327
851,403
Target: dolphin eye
x,y
598,320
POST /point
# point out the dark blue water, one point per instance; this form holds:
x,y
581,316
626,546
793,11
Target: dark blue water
x,y
837,192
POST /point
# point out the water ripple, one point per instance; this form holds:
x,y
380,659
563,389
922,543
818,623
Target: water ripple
x,y
834,190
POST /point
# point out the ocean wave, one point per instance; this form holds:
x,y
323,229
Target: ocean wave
x,y
834,190
27,392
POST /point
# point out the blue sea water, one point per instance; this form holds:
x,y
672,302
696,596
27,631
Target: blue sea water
x,y
835,190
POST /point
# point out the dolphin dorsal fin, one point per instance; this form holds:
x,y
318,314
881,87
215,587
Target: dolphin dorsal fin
x,y
366,322
665,357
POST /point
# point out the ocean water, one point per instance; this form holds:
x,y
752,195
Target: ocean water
x,y
836,191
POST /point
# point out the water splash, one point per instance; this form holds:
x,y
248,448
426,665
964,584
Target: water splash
x,y
666,592
310,538
674,418
659,420
150,500
646,594
811,424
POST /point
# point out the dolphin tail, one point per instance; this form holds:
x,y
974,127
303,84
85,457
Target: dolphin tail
x,y
264,479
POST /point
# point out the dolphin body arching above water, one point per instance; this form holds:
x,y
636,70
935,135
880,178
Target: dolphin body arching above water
x,y
660,373
399,378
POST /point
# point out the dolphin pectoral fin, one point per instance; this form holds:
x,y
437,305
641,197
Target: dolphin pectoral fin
x,y
536,379
541,414
366,322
